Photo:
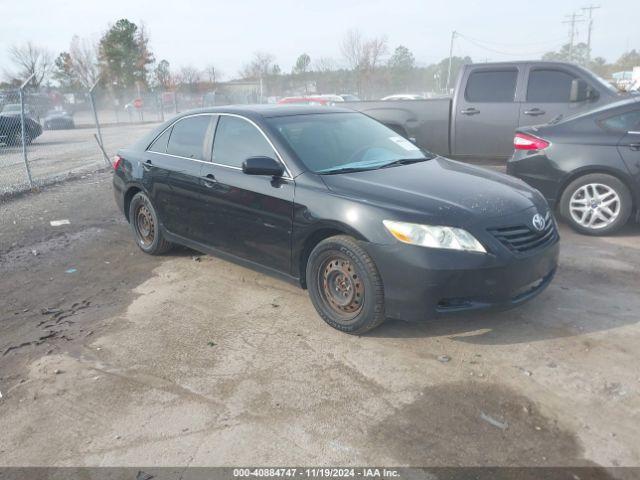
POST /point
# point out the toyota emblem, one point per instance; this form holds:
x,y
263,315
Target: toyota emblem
x,y
538,222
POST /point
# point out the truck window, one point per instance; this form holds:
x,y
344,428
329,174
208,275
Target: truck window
x,y
549,86
491,86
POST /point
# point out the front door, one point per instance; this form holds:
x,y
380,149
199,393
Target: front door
x,y
249,216
486,115
548,95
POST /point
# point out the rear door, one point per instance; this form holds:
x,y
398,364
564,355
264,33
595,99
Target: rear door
x,y
486,113
187,149
547,95
249,216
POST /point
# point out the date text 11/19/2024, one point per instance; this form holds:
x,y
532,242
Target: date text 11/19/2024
x,y
316,472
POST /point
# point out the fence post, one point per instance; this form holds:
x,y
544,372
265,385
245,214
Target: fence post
x,y
95,118
23,132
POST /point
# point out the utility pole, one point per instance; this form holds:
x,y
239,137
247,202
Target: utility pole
x,y
572,20
590,9
453,36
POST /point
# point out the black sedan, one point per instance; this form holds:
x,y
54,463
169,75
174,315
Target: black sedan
x,y
331,199
58,120
587,166
11,130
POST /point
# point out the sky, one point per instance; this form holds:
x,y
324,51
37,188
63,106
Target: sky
x,y
226,33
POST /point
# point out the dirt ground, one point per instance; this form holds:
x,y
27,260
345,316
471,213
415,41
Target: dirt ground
x,y
112,357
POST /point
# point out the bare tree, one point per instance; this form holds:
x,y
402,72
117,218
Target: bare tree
x,y
84,61
363,56
189,77
213,74
29,59
352,48
260,66
325,64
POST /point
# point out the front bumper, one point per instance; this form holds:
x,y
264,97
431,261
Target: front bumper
x,y
421,283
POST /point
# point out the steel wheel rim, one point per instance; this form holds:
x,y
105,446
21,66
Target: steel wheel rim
x,y
341,288
145,226
595,206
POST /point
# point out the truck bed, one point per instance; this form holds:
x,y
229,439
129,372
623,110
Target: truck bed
x,y
426,121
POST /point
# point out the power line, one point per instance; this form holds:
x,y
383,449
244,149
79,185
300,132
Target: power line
x,y
500,52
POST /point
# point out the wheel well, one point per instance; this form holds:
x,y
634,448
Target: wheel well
x,y
127,200
582,173
310,243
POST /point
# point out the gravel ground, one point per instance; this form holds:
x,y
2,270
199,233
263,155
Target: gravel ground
x,y
127,359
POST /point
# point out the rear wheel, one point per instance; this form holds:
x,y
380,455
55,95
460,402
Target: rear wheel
x,y
596,204
345,286
144,222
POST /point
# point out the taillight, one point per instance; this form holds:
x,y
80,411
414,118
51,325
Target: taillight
x,y
117,160
522,141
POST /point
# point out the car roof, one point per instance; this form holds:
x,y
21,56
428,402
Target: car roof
x,y
270,110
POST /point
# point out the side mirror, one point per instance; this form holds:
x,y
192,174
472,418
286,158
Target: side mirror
x,y
580,91
262,166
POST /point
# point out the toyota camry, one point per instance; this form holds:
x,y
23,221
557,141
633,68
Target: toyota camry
x,y
335,201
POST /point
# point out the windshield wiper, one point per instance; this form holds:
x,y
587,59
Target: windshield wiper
x,y
345,170
405,161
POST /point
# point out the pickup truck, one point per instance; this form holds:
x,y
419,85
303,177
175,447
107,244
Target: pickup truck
x,y
489,102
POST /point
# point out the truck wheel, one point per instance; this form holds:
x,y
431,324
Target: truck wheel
x,y
345,286
596,204
144,222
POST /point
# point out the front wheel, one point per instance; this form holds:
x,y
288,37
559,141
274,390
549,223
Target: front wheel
x,y
345,286
596,204
144,222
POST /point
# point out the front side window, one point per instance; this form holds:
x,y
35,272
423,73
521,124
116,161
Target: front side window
x,y
549,86
337,142
236,140
491,86
188,137
623,122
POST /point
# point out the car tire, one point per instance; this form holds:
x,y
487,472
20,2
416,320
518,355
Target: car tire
x,y
583,204
345,286
146,228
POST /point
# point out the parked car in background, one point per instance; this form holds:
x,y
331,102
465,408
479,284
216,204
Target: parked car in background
x,y
348,97
315,100
490,101
11,130
587,166
13,109
403,96
58,120
335,201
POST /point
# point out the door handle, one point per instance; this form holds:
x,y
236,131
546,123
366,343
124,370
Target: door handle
x,y
148,165
470,111
634,146
209,180
534,112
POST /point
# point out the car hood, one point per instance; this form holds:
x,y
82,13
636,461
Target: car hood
x,y
441,191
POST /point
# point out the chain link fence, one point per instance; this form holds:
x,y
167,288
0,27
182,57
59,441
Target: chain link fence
x,y
47,135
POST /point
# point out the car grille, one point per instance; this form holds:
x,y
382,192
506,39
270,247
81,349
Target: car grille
x,y
524,239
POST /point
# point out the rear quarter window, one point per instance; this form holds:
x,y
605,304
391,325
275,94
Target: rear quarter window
x,y
623,122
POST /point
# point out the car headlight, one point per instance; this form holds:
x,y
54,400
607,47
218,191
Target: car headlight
x,y
434,236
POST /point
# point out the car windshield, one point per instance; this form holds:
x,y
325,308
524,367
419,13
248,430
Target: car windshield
x,y
330,143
